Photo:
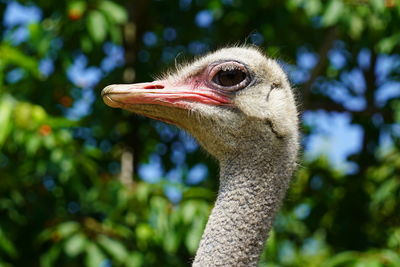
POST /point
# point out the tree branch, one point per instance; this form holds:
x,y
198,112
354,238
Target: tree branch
x,y
322,62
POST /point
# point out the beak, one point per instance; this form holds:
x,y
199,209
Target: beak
x,y
162,93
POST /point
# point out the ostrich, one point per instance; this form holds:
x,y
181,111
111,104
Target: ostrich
x,y
239,106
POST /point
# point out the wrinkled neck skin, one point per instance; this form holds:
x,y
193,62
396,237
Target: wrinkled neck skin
x,y
252,186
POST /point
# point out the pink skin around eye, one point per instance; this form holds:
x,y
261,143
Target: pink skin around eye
x,y
229,65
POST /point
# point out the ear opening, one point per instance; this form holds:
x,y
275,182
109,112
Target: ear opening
x,y
277,110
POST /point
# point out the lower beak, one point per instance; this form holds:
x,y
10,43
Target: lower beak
x,y
161,93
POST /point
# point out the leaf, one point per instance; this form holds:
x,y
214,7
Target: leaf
x,y
114,11
135,259
50,256
95,256
386,45
143,192
378,5
390,256
75,245
171,241
394,240
385,191
114,248
369,262
6,107
188,211
341,259
97,26
57,155
6,245
67,228
356,26
11,55
333,12
76,7
32,145
115,32
193,237
313,7
39,38
86,44
144,232
23,116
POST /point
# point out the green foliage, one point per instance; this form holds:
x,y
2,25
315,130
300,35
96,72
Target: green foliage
x,y
62,201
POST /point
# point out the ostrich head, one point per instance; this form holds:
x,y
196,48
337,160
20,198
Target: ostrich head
x,y
240,107
231,101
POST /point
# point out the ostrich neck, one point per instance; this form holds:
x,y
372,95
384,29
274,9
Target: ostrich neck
x,y
251,190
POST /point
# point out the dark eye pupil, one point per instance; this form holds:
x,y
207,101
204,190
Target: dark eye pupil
x,y
229,77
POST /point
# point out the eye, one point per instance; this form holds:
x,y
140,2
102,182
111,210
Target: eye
x,y
230,76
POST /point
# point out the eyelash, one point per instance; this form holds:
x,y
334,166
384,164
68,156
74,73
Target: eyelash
x,y
227,66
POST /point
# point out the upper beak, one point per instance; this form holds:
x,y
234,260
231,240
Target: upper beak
x,y
163,93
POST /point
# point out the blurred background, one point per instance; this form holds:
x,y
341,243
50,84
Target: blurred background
x,y
82,184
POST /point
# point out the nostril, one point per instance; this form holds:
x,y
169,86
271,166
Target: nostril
x,y
154,86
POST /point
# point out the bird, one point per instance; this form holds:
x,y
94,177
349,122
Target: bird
x,y
239,105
